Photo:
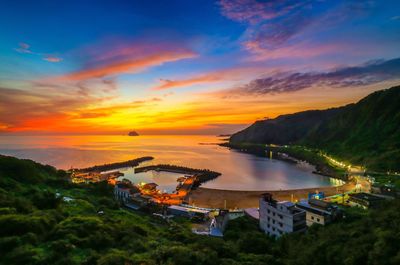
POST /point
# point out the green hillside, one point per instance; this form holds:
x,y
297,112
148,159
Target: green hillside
x,y
39,226
366,133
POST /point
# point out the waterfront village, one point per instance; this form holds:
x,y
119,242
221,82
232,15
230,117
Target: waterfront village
x,y
275,217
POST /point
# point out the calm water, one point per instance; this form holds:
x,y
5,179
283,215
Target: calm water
x,y
239,171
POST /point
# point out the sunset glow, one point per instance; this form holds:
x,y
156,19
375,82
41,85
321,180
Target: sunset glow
x,y
184,67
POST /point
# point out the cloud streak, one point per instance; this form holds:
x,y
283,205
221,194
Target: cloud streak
x,y
26,48
113,57
272,27
23,48
168,84
129,65
52,59
232,74
253,11
362,75
270,23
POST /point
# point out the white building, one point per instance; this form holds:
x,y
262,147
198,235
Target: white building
x,y
319,212
277,218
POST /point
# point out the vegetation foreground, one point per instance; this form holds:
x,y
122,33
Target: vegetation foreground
x,y
44,219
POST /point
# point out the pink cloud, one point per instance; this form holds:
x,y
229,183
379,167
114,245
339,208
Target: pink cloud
x,y
23,48
129,65
299,50
270,23
168,84
117,57
279,27
52,59
253,12
233,74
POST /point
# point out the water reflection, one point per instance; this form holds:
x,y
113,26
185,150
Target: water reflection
x,y
239,171
166,181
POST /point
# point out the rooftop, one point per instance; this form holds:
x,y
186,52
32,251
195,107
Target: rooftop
x,y
313,207
287,204
253,212
188,209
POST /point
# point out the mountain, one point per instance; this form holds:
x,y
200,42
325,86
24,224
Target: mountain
x,y
366,133
285,129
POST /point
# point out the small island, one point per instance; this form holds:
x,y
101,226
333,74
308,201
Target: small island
x,y
133,133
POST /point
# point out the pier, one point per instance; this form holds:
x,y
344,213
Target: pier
x,y
203,175
106,172
117,165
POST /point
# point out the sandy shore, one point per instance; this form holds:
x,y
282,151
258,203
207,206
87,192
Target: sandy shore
x,y
215,198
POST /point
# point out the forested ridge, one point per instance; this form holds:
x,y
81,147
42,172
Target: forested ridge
x,y
366,133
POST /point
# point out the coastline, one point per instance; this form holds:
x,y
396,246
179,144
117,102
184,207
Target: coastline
x,y
237,199
322,168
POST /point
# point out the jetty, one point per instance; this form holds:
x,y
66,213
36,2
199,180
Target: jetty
x,y
107,167
106,172
202,175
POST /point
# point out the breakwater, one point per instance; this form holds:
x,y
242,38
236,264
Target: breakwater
x,y
203,175
106,167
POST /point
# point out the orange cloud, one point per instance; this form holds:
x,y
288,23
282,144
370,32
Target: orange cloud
x,y
51,122
201,113
234,74
129,65
167,84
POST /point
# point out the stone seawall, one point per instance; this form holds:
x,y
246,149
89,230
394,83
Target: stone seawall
x,y
216,198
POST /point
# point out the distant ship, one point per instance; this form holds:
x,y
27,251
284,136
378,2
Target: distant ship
x,y
133,133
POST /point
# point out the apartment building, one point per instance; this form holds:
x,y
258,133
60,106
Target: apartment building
x,y
278,218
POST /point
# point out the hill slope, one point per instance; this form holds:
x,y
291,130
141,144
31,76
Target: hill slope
x,y
37,226
367,132
285,129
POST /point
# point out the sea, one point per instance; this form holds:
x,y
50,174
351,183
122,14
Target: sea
x,y
240,171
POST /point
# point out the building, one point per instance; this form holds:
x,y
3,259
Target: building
x,y
365,200
277,218
319,212
219,223
85,177
93,176
124,191
130,196
150,186
316,195
189,212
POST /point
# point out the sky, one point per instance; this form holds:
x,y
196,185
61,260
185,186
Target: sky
x,y
187,67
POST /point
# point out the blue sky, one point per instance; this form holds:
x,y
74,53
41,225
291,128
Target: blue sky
x,y
185,59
